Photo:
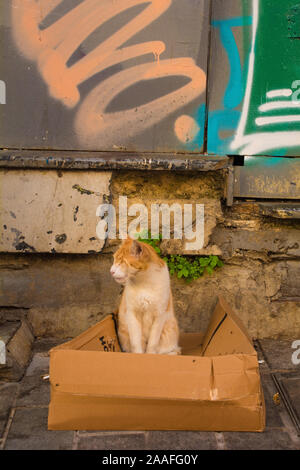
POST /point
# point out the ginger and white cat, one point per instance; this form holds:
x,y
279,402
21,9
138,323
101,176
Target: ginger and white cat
x,y
146,319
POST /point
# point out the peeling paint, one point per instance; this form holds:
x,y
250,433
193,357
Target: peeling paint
x,y
83,190
19,241
18,235
23,246
61,238
75,213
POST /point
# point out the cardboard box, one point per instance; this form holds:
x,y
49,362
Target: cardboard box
x,y
213,386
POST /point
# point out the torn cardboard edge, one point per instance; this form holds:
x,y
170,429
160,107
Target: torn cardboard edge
x,y
214,385
100,337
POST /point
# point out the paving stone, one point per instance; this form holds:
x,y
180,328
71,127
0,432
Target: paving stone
x,y
181,440
270,439
292,386
39,365
33,391
278,354
111,441
8,393
29,432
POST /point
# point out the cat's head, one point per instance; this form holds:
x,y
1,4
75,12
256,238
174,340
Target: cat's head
x,y
131,258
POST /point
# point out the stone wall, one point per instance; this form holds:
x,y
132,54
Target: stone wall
x,y
63,285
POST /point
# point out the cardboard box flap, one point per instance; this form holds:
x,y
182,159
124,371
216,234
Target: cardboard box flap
x,y
149,376
100,337
191,344
226,333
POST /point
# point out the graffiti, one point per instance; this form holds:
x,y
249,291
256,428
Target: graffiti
x,y
225,119
228,118
259,113
280,105
186,128
100,81
52,47
269,121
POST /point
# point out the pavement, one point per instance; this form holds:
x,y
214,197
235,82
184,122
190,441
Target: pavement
x,y
24,412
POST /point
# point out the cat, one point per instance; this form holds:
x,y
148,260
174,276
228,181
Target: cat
x,y
146,319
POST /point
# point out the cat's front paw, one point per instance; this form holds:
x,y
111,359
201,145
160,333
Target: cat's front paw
x,y
151,351
137,350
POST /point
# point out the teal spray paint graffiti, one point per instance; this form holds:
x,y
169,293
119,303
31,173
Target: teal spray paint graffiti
x,y
226,119
270,116
260,110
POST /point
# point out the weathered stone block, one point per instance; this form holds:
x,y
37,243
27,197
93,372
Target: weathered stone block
x,y
50,211
275,243
18,340
283,281
168,184
65,294
160,216
153,191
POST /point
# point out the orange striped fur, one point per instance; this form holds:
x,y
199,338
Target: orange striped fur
x,y
146,319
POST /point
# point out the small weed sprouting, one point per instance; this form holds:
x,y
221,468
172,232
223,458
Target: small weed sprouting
x,y
189,268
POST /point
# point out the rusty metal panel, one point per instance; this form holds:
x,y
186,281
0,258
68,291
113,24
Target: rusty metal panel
x,y
265,177
104,75
254,81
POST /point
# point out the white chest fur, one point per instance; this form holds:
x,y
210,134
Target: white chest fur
x,y
150,291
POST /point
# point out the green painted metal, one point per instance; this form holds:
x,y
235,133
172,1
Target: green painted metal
x,y
270,120
268,178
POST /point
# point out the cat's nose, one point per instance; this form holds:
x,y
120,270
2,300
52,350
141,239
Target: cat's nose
x,y
112,271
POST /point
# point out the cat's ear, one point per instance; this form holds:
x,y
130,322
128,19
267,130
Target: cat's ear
x,y
136,249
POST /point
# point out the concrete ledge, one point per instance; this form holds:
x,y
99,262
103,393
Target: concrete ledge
x,y
73,160
283,210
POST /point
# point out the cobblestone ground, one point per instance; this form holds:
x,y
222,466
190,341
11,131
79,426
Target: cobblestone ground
x,y
24,411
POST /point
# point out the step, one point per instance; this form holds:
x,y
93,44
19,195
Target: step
x,y
16,341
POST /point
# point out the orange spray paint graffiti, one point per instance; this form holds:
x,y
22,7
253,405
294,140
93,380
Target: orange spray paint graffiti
x,y
52,47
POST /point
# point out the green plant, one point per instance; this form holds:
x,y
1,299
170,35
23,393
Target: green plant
x,y
154,242
189,268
